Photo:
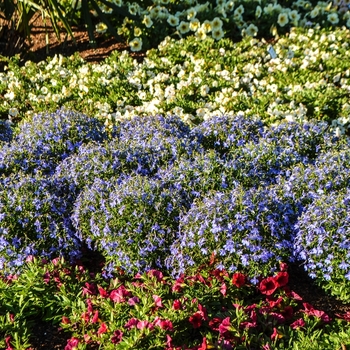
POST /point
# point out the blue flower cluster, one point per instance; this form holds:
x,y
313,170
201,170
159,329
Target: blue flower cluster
x,y
5,131
47,139
154,193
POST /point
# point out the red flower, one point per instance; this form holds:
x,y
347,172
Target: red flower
x,y
224,327
214,323
133,301
65,320
196,319
117,337
102,329
8,344
276,335
203,346
89,289
95,318
163,324
103,292
268,286
203,312
72,344
239,279
298,323
281,279
155,273
158,300
309,310
288,312
118,295
283,266
176,304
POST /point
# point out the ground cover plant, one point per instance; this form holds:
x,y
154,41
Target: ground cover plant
x,y
192,230
301,76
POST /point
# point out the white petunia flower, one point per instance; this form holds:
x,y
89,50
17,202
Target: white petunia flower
x,y
333,18
251,30
147,21
173,20
282,19
217,33
136,44
194,24
101,28
216,23
183,27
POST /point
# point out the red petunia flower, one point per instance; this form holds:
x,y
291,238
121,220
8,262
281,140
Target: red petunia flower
x,y
163,324
157,300
103,292
281,278
196,319
102,329
223,289
268,286
118,295
72,344
117,337
297,324
177,304
238,279
225,327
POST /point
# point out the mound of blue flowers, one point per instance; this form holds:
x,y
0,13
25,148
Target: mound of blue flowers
x,y
155,193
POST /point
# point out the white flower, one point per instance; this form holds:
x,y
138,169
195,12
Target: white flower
x,y
217,33
333,18
118,2
191,13
206,26
201,34
137,31
10,95
173,20
216,23
183,27
101,28
251,30
294,16
136,44
258,12
147,21
282,19
239,11
315,12
204,89
13,112
194,24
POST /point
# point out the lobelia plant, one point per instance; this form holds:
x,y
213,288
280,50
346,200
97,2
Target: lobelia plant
x,y
322,241
247,230
41,143
131,220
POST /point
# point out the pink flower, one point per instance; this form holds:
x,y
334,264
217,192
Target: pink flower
x,y
95,317
268,286
133,301
214,323
163,324
298,323
8,344
225,326
132,323
30,258
72,344
117,337
89,289
203,312
283,266
176,304
276,335
118,295
196,319
46,277
144,324
102,329
223,289
155,273
158,301
310,311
